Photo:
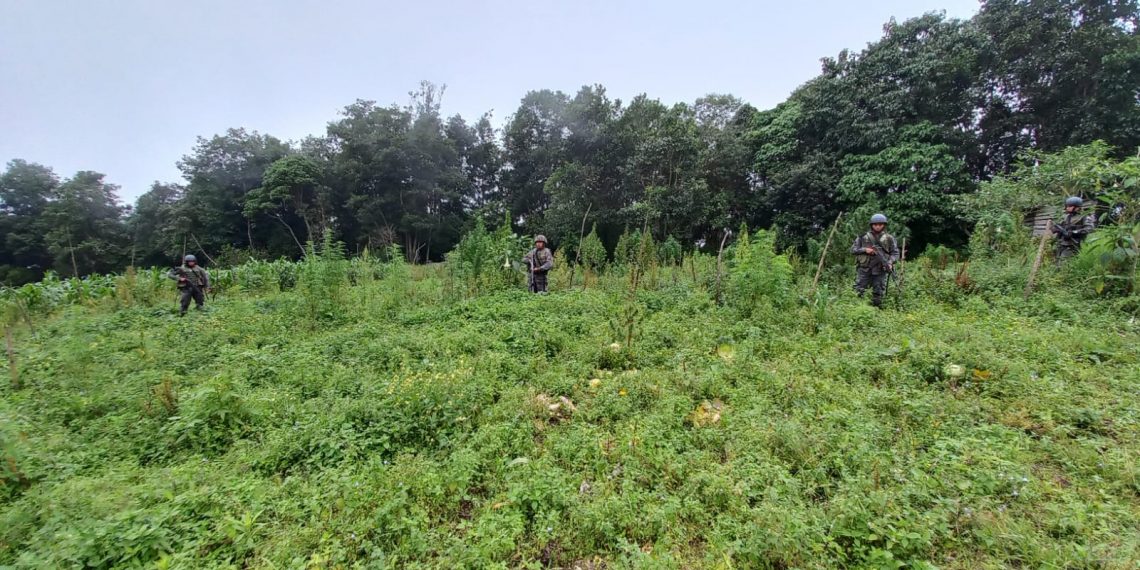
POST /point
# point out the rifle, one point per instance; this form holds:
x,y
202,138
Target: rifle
x,y
886,261
887,264
181,272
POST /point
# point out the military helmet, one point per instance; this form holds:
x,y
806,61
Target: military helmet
x,y
189,258
540,238
1074,201
878,219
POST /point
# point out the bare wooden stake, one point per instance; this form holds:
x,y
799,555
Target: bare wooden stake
x,y
823,256
1037,262
12,369
719,255
578,254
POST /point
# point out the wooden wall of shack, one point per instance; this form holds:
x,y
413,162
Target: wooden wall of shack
x,y
1039,217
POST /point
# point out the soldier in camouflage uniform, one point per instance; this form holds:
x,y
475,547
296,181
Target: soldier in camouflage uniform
x,y
875,254
1072,229
538,261
192,280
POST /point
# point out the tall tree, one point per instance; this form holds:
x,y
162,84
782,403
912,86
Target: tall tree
x,y
292,187
913,180
88,234
731,194
26,190
1068,71
481,161
220,172
370,167
150,225
534,145
432,201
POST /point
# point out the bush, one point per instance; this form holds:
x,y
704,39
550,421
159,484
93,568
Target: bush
x,y
486,261
593,252
670,252
323,279
758,274
211,419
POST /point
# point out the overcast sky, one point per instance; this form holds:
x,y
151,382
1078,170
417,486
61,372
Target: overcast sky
x,y
124,86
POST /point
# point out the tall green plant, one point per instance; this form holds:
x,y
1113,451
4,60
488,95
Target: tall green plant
x,y
758,274
323,280
484,260
593,252
1115,246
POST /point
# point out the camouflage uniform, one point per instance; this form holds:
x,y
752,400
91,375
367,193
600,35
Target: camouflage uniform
x,y
194,276
1071,230
870,270
542,260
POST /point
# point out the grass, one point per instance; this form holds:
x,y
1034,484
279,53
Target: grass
x,y
405,426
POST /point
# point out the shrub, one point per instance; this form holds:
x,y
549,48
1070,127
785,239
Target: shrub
x,y
486,261
757,274
593,252
211,419
670,252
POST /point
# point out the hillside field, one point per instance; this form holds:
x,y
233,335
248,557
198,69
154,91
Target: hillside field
x,y
399,418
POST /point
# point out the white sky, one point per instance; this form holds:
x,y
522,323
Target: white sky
x,y
124,86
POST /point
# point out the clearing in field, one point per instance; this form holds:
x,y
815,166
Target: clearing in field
x,y
335,414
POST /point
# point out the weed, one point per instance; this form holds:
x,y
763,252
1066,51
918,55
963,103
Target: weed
x,y
336,413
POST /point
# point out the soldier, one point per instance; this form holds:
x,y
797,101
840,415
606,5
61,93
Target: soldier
x,y
192,282
538,261
875,254
1072,229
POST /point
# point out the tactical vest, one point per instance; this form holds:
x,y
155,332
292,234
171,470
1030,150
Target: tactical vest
x,y
885,243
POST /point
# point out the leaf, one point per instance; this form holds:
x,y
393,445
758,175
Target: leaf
x,y
726,351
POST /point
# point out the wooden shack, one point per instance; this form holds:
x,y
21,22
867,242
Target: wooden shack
x,y
1037,219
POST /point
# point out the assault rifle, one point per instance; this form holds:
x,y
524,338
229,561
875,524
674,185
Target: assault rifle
x,y
189,278
887,265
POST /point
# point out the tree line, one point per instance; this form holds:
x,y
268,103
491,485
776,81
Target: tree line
x,y
923,115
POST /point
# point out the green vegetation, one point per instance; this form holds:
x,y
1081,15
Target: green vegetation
x,y
368,413
928,112
670,404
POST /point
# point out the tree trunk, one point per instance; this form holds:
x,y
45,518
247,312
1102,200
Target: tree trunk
x,y
295,240
202,249
308,227
71,248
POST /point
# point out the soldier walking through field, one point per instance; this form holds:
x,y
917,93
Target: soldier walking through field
x,y
193,281
875,255
538,261
1072,229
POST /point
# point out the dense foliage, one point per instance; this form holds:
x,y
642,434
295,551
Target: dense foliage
x,y
931,110
335,413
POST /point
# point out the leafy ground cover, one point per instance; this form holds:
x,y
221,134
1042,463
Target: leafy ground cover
x,y
393,419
